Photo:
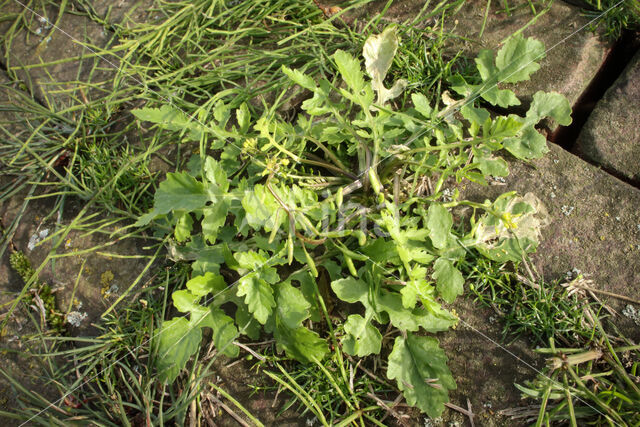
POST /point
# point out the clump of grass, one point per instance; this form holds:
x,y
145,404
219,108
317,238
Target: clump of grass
x,y
592,382
526,307
614,15
588,380
110,379
333,391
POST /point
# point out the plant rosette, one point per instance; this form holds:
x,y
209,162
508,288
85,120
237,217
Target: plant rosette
x,y
282,221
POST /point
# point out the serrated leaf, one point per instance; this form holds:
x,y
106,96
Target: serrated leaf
x,y
419,367
180,191
363,338
214,172
178,340
257,261
214,217
449,280
529,145
516,60
258,296
549,104
224,333
300,78
207,283
439,222
416,287
501,97
292,307
243,116
421,104
350,71
171,118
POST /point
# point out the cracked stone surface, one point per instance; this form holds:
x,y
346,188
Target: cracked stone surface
x,y
611,136
594,221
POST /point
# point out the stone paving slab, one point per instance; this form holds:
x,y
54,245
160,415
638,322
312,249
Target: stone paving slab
x,y
31,40
101,275
484,368
594,221
611,136
574,54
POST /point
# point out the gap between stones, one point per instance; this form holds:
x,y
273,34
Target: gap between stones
x,y
612,67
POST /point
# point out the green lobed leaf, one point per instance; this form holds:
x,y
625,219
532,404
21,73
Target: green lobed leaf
x,y
349,69
184,225
180,191
352,290
529,145
224,333
516,60
260,208
299,78
411,320
185,301
214,217
421,104
215,173
178,340
501,97
549,104
439,222
207,283
362,337
301,344
485,65
292,306
243,116
419,366
449,280
258,296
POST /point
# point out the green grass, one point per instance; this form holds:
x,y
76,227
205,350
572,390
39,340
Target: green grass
x,y
614,15
591,372
97,153
92,153
534,309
